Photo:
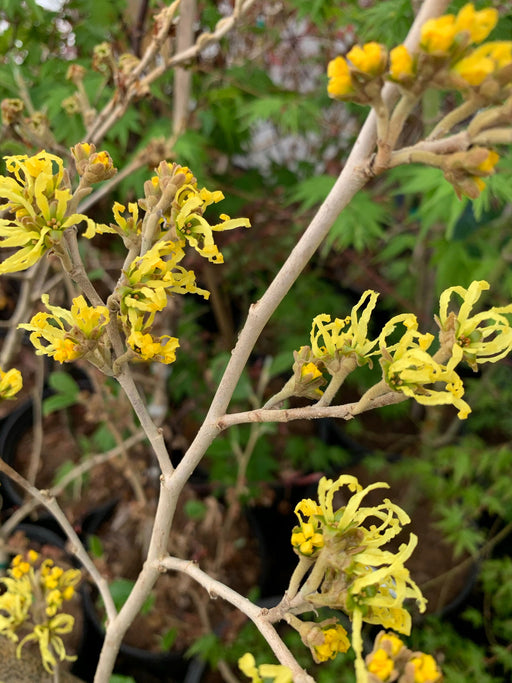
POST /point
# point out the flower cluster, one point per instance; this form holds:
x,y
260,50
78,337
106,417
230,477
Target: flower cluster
x,y
391,660
352,571
484,337
68,335
409,366
183,204
149,281
38,195
10,383
446,58
334,341
30,606
274,672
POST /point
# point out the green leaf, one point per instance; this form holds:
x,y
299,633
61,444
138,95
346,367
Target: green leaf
x,y
58,402
195,509
168,639
359,225
95,546
207,648
62,471
63,383
120,590
103,439
281,363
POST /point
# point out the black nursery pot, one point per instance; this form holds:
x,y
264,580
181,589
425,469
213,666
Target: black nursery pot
x,y
142,665
15,426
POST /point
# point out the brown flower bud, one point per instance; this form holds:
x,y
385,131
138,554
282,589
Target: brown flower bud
x,y
11,108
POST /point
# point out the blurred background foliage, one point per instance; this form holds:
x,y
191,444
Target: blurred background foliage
x,y
262,129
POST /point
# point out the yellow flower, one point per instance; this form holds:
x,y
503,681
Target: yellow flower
x,y
31,600
372,579
306,540
486,166
335,640
11,382
464,170
401,64
149,281
438,35
390,642
380,664
247,665
346,337
68,334
50,643
278,673
19,567
370,59
484,337
474,68
195,229
409,369
425,669
123,226
275,672
149,348
416,373
38,197
340,81
352,571
477,23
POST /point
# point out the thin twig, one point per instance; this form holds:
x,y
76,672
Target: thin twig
x,y
78,471
256,614
77,547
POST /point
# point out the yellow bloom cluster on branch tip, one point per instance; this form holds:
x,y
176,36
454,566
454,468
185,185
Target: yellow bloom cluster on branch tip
x,y
11,382
340,83
332,341
65,334
195,229
439,36
352,571
446,58
484,337
307,539
258,674
38,195
408,368
182,216
369,59
408,364
485,60
30,606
